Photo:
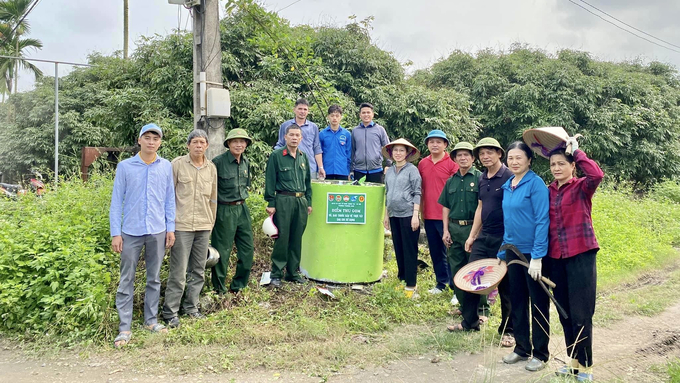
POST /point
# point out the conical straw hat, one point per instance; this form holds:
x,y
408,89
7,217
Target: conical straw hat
x,y
481,276
413,155
544,140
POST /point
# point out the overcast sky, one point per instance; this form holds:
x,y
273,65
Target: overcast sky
x,y
421,31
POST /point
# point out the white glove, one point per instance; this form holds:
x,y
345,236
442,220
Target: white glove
x,y
572,145
535,269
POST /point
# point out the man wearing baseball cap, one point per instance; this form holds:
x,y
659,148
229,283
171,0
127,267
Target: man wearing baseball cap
x,y
142,215
435,170
233,223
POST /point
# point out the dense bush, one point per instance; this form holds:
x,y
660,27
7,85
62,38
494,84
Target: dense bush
x,y
628,112
57,273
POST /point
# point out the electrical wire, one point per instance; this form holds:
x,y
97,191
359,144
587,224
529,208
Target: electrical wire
x,y
289,5
623,29
628,25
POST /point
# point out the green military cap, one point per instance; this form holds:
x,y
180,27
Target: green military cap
x,y
488,142
237,133
461,145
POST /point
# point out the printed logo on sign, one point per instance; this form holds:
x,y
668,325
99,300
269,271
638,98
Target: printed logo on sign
x,y
346,198
330,197
338,198
361,198
354,198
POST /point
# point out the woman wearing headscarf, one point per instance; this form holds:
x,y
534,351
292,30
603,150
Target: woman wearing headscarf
x,y
403,188
525,217
572,248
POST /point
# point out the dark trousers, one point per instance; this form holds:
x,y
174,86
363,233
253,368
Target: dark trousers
x,y
291,219
405,242
524,290
576,281
486,246
434,229
373,177
336,177
232,226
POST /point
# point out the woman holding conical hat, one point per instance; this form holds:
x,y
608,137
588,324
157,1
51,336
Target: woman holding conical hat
x,y
403,188
572,245
526,222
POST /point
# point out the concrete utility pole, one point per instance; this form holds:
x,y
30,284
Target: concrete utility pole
x,y
126,11
208,59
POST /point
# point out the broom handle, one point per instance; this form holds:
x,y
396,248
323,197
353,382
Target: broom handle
x,y
548,282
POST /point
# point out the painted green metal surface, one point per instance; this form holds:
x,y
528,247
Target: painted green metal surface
x,y
344,252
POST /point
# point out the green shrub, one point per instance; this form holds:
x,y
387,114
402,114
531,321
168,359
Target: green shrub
x,y
668,191
55,261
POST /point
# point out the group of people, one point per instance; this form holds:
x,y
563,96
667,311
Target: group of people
x,y
185,205
469,215
193,202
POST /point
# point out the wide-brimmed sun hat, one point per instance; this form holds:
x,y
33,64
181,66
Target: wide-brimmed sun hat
x,y
544,141
412,155
481,276
487,142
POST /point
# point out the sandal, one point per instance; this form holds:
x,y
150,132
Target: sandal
x,y
483,319
122,339
458,327
508,340
156,328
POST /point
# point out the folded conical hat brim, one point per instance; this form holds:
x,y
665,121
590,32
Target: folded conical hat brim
x,y
412,156
544,140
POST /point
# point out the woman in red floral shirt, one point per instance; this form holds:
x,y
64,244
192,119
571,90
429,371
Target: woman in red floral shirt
x,y
573,247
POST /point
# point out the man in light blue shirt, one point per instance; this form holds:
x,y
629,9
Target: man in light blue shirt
x,y
142,215
310,144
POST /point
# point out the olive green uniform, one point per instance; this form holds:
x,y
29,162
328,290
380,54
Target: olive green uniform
x,y
460,196
233,222
286,176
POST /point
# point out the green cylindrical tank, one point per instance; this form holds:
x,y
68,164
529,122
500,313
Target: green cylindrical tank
x,y
344,239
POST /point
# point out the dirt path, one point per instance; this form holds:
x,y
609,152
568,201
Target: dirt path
x,y
623,352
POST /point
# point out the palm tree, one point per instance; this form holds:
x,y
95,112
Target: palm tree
x,y
11,13
9,67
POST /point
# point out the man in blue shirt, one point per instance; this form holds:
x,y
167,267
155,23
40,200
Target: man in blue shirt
x,y
368,140
336,144
310,144
142,215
